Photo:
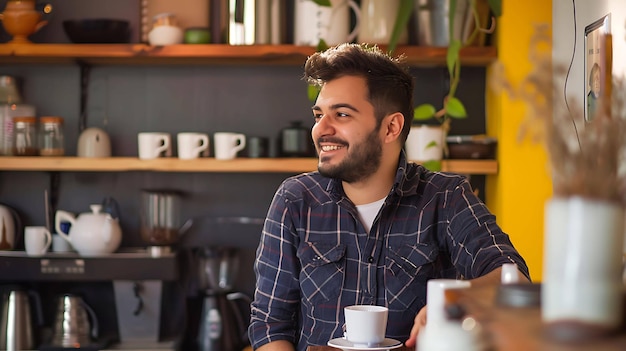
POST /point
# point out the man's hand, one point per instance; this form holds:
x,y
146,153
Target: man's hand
x,y
419,322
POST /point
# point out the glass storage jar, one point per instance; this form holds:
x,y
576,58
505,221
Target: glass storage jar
x,y
24,136
50,140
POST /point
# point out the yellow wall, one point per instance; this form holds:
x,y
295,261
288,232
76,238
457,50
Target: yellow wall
x,y
518,193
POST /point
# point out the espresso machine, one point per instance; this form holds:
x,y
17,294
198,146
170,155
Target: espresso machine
x,y
223,322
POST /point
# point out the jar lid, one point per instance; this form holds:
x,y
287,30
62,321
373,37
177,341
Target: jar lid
x,y
24,119
51,119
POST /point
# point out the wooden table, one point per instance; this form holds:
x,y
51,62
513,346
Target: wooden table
x,y
521,328
516,328
328,348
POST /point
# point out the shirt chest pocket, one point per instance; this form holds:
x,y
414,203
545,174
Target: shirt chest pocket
x,y
407,270
323,270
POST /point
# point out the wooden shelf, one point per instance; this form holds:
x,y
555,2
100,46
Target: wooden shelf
x,y
239,165
210,54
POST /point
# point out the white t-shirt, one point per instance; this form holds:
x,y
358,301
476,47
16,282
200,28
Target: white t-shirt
x,y
368,212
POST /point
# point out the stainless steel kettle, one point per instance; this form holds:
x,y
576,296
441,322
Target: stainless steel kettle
x,y
10,228
16,325
72,327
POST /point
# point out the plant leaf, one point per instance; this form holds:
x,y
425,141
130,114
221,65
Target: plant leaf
x,y
312,92
431,144
424,112
402,20
432,165
455,108
322,45
452,56
496,7
323,2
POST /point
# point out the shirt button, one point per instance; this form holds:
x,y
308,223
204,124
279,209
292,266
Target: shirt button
x,y
370,259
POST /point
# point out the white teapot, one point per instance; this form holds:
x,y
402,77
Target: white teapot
x,y
91,234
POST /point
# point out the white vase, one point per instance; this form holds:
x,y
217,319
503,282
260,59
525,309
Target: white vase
x,y
583,265
425,143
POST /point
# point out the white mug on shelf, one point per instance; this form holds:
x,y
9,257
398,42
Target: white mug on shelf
x,y
153,145
37,240
191,145
313,22
228,144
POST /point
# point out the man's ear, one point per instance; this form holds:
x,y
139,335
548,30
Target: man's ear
x,y
393,124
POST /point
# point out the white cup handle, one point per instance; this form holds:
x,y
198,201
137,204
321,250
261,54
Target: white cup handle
x,y
165,146
203,146
242,143
357,13
48,241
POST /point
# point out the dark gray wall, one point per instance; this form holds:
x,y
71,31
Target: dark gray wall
x,y
125,100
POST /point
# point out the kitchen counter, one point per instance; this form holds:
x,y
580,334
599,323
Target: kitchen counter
x,y
127,264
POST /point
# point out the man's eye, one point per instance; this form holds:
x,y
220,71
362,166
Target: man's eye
x,y
342,114
317,116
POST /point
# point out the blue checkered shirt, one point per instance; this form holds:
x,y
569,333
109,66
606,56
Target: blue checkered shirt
x,y
315,257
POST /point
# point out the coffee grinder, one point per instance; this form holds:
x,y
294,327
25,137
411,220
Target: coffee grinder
x,y
161,220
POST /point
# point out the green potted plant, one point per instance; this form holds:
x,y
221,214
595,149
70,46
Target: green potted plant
x,y
452,106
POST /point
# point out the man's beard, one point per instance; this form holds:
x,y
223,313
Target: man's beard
x,y
362,161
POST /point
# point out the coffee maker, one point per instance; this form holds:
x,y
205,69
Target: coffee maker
x,y
225,315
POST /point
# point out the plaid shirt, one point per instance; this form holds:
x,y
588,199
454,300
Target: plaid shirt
x,y
315,257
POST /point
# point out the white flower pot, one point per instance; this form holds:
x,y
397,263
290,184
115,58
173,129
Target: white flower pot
x,y
583,265
425,143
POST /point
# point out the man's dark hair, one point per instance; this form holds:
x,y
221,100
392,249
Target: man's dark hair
x,y
389,83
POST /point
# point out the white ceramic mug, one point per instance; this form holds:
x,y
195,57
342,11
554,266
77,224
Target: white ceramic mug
x,y
228,144
313,22
59,244
377,21
37,240
366,324
153,145
191,145
436,299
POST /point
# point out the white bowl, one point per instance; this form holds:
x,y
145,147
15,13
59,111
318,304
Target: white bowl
x,y
165,35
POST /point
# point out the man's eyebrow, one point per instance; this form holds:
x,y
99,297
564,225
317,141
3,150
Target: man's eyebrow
x,y
337,106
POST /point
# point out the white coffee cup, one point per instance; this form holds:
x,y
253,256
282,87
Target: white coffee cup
x,y
436,298
59,244
366,324
439,332
153,145
36,240
377,20
228,144
313,22
191,145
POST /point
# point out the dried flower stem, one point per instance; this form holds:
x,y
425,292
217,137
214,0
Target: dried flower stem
x,y
583,162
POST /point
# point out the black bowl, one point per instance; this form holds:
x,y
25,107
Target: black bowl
x,y
97,31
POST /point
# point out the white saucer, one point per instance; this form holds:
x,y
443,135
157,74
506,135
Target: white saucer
x,y
344,344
